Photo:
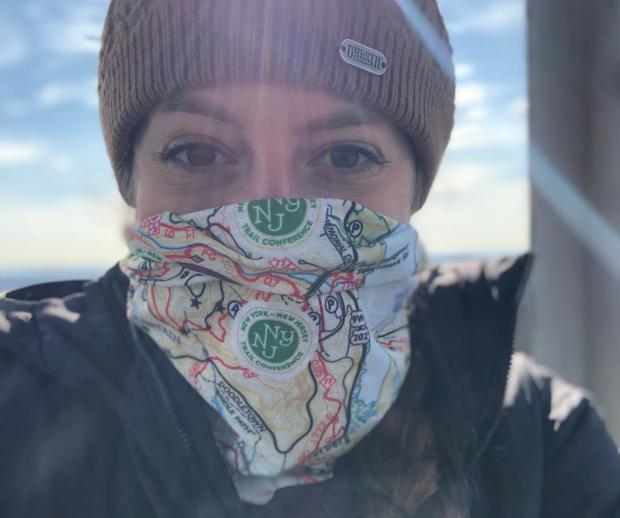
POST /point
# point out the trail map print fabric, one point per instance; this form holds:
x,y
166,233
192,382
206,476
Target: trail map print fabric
x,y
287,316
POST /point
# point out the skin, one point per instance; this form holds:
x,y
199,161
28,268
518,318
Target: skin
x,y
252,141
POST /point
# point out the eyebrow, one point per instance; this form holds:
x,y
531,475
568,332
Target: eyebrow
x,y
198,107
342,119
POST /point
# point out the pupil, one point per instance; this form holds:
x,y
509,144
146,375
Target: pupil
x,y
345,157
200,156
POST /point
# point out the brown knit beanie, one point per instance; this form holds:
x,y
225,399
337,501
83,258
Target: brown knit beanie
x,y
153,49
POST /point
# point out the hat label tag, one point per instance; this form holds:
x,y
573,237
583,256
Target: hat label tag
x,y
360,56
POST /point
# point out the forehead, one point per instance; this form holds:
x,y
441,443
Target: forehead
x,y
244,105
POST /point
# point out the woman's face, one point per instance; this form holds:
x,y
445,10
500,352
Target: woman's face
x,y
218,146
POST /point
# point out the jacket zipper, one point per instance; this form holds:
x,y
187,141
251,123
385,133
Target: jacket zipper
x,y
187,443
487,440
162,388
518,295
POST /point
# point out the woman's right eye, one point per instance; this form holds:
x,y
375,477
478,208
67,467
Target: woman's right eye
x,y
196,155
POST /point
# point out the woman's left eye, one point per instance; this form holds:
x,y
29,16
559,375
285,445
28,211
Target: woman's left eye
x,y
349,158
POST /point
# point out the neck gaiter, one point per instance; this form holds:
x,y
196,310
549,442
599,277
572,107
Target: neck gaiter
x,y
288,318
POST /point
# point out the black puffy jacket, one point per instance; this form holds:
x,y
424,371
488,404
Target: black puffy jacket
x,y
95,425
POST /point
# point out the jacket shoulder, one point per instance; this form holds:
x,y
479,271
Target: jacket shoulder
x,y
36,314
580,464
46,290
47,423
503,279
34,323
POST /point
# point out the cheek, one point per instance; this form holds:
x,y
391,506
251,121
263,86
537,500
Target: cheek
x,y
398,189
391,194
399,195
150,192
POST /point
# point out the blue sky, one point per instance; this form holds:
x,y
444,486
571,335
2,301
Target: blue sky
x,y
58,199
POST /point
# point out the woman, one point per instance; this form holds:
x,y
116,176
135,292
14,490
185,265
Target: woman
x,y
267,347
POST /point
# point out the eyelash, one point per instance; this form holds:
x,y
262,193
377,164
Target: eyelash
x,y
374,159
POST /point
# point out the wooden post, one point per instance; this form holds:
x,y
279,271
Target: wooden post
x,y
572,317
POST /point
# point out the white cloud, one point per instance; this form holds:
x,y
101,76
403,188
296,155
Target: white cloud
x,y
472,93
73,233
479,124
497,17
61,163
476,114
475,213
14,153
460,177
464,70
518,106
474,207
475,101
80,32
83,92
483,135
23,153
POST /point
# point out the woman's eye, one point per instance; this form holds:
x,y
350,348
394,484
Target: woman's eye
x,y
345,156
192,155
348,158
198,155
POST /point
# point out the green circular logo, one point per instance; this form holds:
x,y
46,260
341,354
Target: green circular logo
x,y
277,216
274,339
277,223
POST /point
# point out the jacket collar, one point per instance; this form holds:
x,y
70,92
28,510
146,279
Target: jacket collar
x,y
463,319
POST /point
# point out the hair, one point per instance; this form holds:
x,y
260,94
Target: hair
x,y
409,467
126,185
